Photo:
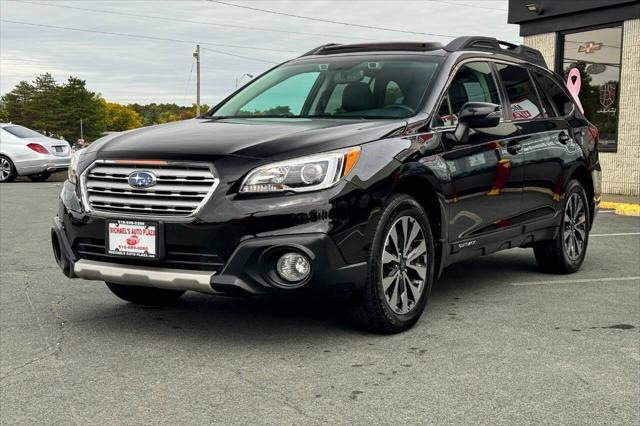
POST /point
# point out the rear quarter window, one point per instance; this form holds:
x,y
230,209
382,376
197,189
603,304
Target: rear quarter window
x,y
559,98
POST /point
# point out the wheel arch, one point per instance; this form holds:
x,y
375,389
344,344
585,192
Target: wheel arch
x,y
424,191
582,175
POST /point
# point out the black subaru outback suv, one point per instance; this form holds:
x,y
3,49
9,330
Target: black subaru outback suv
x,y
366,168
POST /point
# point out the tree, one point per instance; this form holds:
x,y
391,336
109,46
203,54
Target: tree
x,y
15,104
57,109
81,104
46,106
120,117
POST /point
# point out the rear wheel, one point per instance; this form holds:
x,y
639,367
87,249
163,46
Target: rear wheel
x,y
39,177
145,295
7,169
400,269
566,252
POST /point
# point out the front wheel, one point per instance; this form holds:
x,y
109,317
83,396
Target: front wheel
x,y
566,252
39,177
145,295
400,269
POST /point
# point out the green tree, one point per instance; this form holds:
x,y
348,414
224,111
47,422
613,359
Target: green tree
x,y
46,107
78,103
15,104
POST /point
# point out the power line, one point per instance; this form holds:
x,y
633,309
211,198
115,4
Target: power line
x,y
308,18
152,38
468,5
163,18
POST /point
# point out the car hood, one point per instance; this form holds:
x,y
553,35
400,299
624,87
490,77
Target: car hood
x,y
259,138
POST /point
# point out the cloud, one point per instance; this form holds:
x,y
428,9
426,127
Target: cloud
x,y
127,69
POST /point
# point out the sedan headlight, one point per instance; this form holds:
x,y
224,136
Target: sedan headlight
x,y
302,174
72,171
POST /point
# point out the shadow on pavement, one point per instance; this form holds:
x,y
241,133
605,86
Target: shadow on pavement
x,y
286,318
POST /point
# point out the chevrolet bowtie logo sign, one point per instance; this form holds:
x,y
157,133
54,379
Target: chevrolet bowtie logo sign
x,y
141,179
589,47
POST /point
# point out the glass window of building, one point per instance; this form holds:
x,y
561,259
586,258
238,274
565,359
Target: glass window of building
x,y
596,54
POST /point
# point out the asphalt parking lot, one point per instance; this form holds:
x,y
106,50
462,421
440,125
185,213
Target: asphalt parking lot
x,y
500,343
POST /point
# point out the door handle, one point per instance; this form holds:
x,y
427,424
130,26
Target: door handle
x,y
564,138
514,148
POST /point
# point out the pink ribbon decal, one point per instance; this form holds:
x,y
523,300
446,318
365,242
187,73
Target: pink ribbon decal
x,y
574,86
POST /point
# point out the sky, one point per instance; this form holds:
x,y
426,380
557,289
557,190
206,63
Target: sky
x,y
157,65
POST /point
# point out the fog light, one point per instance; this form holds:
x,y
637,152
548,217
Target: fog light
x,y
293,267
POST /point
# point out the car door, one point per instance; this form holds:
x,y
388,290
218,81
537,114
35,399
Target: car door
x,y
545,140
484,192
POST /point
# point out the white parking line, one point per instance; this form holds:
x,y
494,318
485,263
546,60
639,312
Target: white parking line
x,y
585,280
620,234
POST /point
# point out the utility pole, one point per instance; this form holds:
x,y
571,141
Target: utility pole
x,y
197,56
81,130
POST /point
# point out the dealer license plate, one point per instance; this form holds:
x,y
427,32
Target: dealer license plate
x,y
132,238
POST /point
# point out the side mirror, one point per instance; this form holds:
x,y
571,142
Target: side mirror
x,y
476,115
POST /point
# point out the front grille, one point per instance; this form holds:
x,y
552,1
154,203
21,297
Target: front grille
x,y
179,191
175,256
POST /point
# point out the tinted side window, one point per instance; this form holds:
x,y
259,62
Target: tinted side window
x,y
547,104
523,99
562,102
473,82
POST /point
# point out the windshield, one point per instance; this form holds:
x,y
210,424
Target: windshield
x,y
386,87
22,132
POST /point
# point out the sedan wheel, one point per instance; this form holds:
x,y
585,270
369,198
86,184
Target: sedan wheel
x,y
7,171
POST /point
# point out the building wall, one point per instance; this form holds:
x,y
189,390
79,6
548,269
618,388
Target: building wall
x,y
620,170
546,44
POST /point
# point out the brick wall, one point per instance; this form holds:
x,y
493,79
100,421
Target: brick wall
x,y
620,170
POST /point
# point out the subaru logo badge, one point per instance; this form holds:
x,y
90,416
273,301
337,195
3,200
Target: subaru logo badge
x,y
141,179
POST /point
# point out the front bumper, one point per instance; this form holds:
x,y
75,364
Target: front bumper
x,y
229,256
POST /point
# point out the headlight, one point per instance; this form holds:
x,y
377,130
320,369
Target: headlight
x,y
302,174
73,176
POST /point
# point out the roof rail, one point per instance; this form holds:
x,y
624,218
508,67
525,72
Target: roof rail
x,y
491,44
374,47
319,49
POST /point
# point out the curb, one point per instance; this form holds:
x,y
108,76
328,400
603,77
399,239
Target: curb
x,y
624,209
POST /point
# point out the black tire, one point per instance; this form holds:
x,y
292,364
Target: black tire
x,y
369,308
145,295
7,170
555,256
40,177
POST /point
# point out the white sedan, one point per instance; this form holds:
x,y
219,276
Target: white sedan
x,y
24,152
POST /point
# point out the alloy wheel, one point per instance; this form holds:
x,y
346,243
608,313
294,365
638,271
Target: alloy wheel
x,y
5,169
575,227
404,265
